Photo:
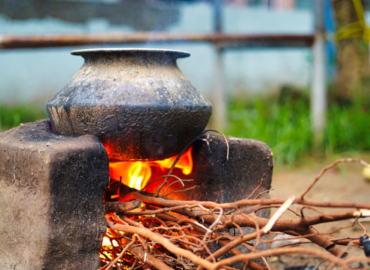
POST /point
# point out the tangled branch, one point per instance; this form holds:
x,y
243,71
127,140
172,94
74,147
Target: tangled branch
x,y
169,234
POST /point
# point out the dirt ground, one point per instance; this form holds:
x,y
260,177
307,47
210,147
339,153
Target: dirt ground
x,y
344,183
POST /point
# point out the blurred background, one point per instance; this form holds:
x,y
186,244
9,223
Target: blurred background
x,y
292,73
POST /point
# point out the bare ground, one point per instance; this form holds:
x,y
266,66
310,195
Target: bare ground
x,y
344,183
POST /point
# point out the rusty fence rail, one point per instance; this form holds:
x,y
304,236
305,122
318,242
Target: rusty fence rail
x,y
223,40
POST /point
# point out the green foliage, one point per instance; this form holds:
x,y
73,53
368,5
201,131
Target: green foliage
x,y
348,128
12,115
285,127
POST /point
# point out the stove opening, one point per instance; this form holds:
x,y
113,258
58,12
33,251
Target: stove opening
x,y
147,176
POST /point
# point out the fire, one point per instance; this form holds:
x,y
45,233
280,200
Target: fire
x,y
133,174
138,173
185,163
112,242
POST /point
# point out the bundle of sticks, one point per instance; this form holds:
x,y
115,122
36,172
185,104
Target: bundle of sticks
x,y
154,232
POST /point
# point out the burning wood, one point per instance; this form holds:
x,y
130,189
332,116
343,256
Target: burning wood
x,y
121,207
173,234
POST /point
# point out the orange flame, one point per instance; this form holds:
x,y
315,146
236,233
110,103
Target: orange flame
x,y
138,173
185,163
134,174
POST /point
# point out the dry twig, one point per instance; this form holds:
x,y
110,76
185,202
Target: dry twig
x,y
169,234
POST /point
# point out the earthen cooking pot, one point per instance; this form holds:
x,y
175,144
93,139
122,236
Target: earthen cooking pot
x,y
136,101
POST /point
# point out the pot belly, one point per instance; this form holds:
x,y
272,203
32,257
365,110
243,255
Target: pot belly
x,y
134,132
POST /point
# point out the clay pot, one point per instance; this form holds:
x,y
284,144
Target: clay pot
x,y
136,101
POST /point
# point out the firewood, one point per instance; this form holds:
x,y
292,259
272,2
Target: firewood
x,y
121,207
178,234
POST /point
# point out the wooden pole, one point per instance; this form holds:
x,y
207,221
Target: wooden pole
x,y
318,91
218,95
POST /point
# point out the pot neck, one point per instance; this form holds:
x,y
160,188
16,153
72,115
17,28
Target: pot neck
x,y
131,56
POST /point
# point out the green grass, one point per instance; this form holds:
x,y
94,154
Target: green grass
x,y
286,128
12,115
348,129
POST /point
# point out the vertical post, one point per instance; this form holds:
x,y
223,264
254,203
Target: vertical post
x,y
217,5
318,92
0,119
219,101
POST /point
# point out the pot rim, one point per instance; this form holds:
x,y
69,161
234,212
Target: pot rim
x,y
172,53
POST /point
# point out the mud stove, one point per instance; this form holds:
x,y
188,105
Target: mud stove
x,y
54,185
